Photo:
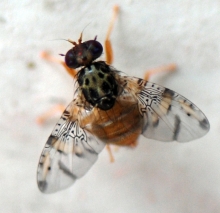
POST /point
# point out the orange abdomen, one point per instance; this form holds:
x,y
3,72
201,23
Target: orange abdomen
x,y
121,125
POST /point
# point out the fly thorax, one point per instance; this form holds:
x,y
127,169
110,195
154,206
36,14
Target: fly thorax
x,y
98,85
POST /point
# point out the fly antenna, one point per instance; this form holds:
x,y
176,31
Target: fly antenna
x,y
81,34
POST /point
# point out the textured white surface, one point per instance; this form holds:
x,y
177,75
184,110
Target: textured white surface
x,y
154,177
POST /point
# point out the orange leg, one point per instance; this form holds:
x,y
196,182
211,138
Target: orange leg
x,y
109,59
165,68
59,108
48,57
108,46
108,148
50,113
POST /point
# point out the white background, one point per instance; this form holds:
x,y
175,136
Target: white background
x,y
155,176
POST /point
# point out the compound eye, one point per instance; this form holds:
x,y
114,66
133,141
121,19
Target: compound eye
x,y
71,60
95,48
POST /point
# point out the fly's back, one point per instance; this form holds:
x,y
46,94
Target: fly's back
x,y
98,85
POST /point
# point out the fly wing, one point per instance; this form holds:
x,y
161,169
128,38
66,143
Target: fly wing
x,y
167,115
69,153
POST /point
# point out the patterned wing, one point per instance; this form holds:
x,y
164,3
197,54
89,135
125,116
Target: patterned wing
x,y
167,115
69,153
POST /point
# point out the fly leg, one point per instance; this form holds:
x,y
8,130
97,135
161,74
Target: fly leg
x,y
108,46
48,57
58,108
164,68
109,59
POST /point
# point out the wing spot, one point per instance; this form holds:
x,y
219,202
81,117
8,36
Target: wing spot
x,y
168,93
155,124
204,124
177,127
169,108
139,81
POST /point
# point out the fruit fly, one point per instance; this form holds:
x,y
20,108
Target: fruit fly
x,y
110,108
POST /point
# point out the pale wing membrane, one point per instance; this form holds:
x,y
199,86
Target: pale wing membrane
x,y
69,153
169,116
